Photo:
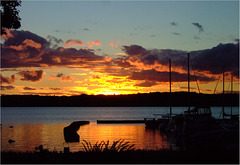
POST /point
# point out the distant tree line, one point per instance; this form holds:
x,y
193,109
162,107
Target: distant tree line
x,y
135,100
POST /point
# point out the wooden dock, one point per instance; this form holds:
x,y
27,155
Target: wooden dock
x,y
119,121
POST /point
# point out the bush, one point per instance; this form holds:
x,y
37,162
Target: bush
x,y
117,146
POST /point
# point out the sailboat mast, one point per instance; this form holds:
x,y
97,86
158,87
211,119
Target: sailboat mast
x,y
188,84
231,93
223,92
170,87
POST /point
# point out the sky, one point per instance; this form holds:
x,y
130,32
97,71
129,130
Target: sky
x,y
121,47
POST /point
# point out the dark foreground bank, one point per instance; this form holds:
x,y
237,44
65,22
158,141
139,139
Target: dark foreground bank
x,y
139,156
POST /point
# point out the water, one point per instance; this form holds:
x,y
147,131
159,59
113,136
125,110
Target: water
x,y
34,126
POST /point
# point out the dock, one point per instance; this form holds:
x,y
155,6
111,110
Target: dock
x,y
119,121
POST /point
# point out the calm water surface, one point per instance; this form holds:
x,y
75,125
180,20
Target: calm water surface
x,y
44,126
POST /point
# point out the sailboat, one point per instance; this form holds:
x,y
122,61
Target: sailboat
x,y
160,121
197,119
231,123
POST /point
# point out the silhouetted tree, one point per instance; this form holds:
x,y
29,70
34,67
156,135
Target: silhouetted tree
x,y
9,15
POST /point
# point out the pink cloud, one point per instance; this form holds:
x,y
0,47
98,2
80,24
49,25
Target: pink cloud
x,y
114,44
92,43
73,43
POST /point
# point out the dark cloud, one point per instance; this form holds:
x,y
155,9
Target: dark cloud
x,y
7,79
20,36
213,60
178,34
196,38
34,76
7,87
26,49
153,75
236,40
54,42
153,35
146,84
209,60
55,89
59,75
29,88
200,28
134,50
174,23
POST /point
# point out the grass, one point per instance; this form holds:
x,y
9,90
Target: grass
x,y
117,146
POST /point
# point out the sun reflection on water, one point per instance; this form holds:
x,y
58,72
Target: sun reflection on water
x,y
27,136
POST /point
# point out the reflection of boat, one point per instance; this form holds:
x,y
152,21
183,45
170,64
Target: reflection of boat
x,y
229,121
159,121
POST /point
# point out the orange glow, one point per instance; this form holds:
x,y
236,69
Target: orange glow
x,y
29,136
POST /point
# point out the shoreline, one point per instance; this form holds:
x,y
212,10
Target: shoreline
x,y
138,156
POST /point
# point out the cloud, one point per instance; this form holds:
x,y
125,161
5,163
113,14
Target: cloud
x,y
207,60
134,50
92,43
146,84
55,89
124,54
27,43
178,34
200,28
153,75
26,49
29,88
34,76
59,75
7,80
174,23
66,78
17,38
73,43
113,45
196,38
236,40
213,60
9,87
54,42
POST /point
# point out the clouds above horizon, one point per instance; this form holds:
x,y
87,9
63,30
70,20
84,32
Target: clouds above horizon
x,y
26,49
33,75
200,27
23,49
208,60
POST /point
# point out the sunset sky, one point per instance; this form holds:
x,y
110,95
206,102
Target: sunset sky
x,y
121,47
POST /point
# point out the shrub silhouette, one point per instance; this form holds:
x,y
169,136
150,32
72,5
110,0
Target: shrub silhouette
x,y
117,146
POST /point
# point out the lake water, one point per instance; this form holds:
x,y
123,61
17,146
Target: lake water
x,y
34,126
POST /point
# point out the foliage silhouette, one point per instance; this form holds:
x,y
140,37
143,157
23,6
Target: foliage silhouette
x,y
117,146
10,15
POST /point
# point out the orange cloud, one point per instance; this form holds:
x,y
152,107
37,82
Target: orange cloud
x,y
113,45
7,35
92,43
66,78
25,44
73,43
121,54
